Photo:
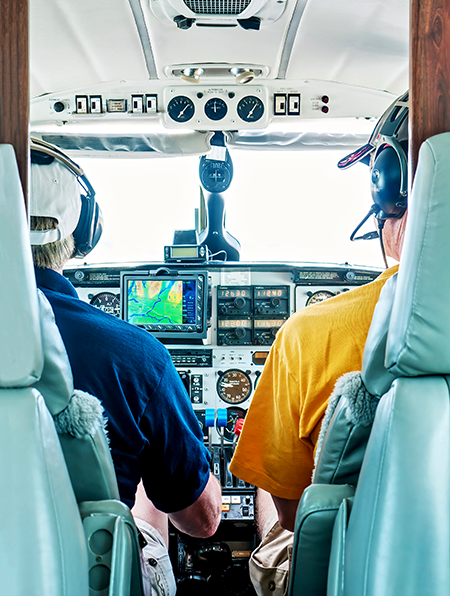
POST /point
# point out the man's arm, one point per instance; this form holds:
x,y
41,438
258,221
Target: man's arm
x,y
202,518
287,510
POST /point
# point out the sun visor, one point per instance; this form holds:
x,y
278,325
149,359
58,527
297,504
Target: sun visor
x,y
287,141
132,146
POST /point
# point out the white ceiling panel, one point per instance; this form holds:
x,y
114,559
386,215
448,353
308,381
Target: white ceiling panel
x,y
357,43
74,43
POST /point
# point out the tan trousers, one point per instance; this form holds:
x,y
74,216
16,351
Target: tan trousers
x,y
270,562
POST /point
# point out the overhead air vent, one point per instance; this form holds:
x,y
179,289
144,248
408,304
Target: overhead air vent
x,y
249,14
228,7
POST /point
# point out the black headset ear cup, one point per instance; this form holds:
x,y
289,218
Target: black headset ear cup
x,y
89,228
386,182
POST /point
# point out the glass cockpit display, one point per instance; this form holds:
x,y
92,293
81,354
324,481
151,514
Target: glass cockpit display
x,y
166,305
161,302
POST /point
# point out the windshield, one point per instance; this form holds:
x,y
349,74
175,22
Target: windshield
x,y
281,206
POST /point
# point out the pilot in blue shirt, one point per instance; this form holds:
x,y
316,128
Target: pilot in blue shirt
x,y
153,432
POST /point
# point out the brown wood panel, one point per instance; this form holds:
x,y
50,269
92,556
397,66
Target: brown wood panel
x,y
14,85
429,110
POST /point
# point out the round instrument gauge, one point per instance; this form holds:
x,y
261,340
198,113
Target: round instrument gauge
x,y
250,109
234,386
108,302
320,296
181,109
233,414
216,176
216,108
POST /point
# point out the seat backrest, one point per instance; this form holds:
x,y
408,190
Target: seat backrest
x,y
398,537
42,544
78,417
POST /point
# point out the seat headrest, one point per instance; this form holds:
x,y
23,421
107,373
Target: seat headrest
x,y
20,345
419,333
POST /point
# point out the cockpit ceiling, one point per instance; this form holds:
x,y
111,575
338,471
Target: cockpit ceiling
x,y
79,43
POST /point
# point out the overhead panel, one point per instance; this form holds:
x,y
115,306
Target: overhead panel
x,y
215,45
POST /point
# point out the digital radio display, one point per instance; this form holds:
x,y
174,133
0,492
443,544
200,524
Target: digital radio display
x,y
268,323
271,293
234,323
234,293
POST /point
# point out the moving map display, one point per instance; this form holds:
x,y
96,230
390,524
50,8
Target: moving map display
x,y
161,302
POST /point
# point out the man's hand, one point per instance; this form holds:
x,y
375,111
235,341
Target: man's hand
x,y
202,518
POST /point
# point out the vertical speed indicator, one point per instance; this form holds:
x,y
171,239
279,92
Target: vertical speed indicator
x,y
250,109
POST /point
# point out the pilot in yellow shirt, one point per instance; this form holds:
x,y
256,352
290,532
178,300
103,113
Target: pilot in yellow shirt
x,y
315,347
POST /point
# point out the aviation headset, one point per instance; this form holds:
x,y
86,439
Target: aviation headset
x,y
389,176
90,223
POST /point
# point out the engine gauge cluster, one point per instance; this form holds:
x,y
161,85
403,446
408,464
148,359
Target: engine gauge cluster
x,y
216,108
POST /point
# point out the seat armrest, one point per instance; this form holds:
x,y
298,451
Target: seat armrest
x,y
314,523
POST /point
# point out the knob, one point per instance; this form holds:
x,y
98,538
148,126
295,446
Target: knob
x,y
260,310
259,340
274,331
223,310
58,106
239,302
275,302
240,333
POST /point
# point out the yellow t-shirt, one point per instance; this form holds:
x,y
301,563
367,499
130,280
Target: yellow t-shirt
x,y
315,347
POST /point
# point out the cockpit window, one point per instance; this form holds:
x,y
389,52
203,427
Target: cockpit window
x,y
281,206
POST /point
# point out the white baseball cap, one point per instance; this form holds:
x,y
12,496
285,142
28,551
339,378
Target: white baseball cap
x,y
54,192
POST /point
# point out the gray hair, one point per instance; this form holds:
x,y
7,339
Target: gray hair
x,y
55,254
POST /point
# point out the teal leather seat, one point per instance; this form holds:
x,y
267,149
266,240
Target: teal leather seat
x,y
398,536
64,531
42,543
386,530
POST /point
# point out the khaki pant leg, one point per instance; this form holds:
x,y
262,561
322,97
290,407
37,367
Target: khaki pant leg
x,y
270,562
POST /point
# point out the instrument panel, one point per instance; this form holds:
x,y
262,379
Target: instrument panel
x,y
247,304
